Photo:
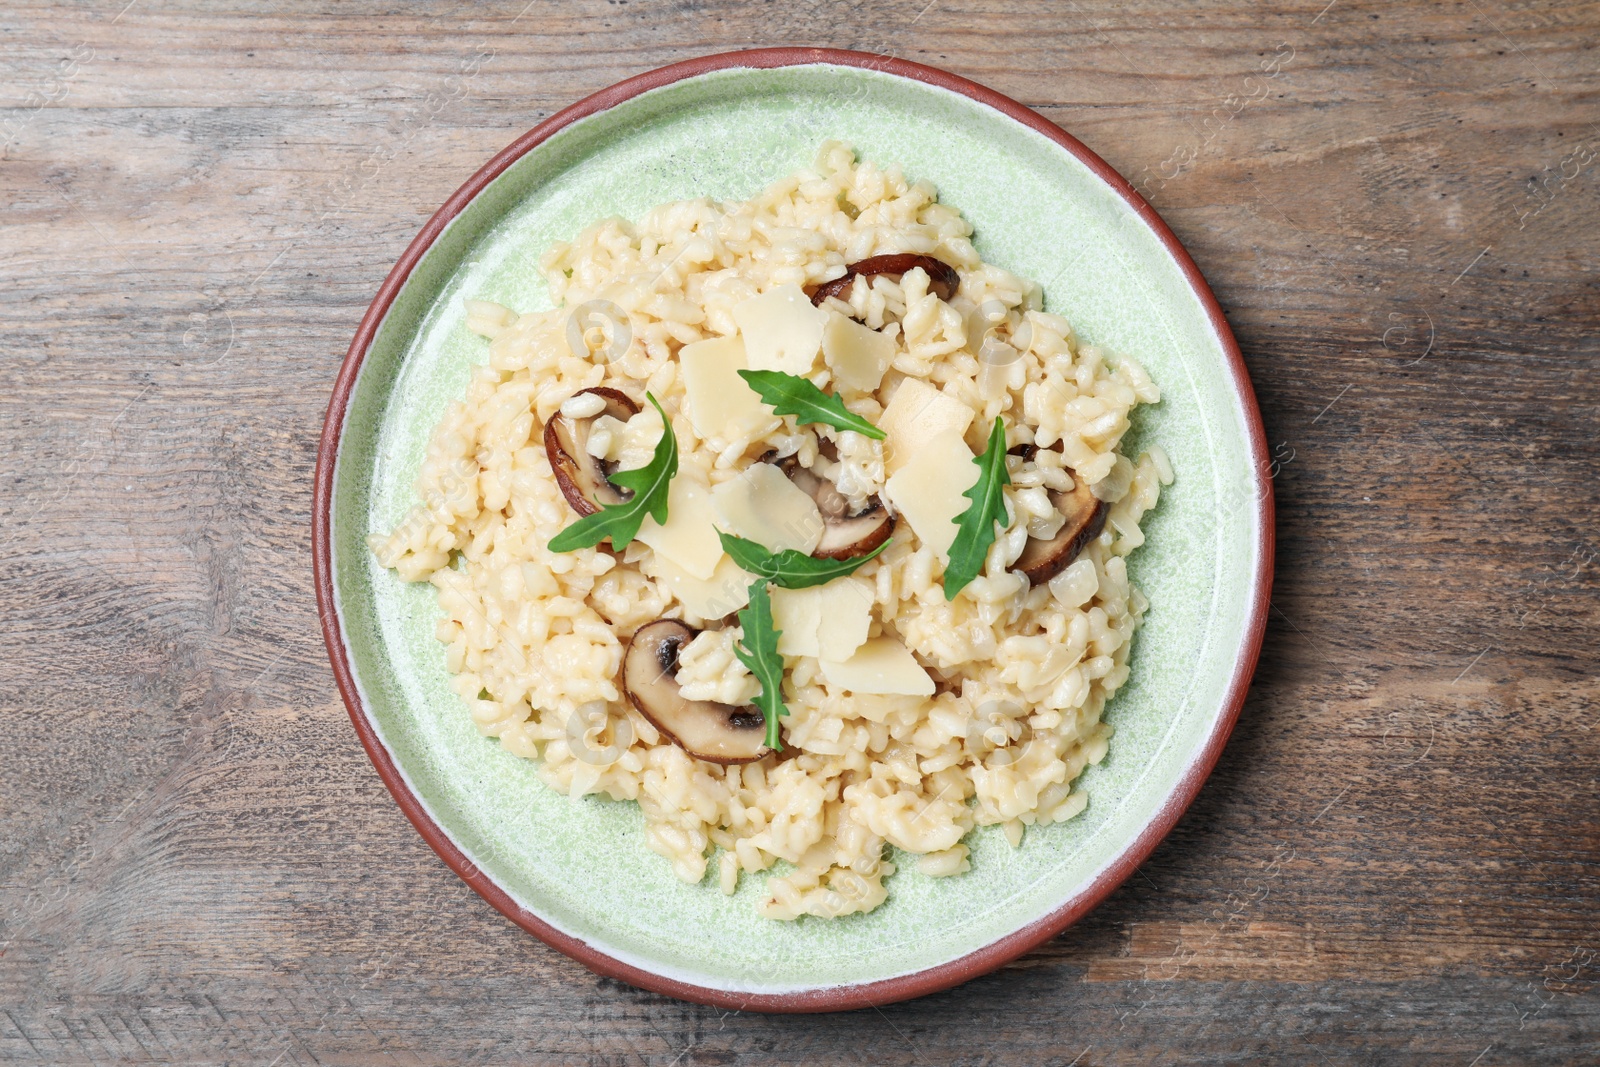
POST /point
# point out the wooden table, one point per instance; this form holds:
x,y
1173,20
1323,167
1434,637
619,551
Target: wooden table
x,y
1397,860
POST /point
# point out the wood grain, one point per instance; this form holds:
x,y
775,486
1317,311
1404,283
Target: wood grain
x,y
1398,859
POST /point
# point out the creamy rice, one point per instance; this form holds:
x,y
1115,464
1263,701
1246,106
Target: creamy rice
x,y
536,639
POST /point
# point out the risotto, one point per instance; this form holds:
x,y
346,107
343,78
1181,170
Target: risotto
x,y
797,524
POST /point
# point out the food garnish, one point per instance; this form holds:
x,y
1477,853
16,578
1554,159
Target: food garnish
x,y
976,525
845,533
1044,558
717,733
620,522
758,650
790,569
790,394
943,281
584,479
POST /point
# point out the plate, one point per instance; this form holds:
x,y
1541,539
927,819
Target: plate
x,y
577,874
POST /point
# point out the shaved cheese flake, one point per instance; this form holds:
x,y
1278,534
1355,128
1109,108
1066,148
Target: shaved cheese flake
x,y
704,599
781,330
857,355
927,491
764,506
828,621
881,666
797,616
846,617
689,538
719,403
917,415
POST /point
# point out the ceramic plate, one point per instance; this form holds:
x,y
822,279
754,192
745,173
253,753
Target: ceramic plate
x,y
577,874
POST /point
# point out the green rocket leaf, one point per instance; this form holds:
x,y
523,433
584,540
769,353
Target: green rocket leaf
x,y
790,569
758,650
621,522
977,529
788,394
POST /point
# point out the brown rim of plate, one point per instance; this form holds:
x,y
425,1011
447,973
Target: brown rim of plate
x,y
836,998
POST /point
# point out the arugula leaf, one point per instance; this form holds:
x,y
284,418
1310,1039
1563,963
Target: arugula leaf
x,y
758,650
988,507
790,569
621,522
789,394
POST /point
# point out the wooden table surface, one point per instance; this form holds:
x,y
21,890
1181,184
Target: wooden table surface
x,y
1397,860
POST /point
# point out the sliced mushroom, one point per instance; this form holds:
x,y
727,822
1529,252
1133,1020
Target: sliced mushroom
x,y
584,480
844,533
1042,559
716,733
943,281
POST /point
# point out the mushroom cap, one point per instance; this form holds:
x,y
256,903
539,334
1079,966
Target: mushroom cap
x,y
584,479
1041,560
716,733
844,535
943,281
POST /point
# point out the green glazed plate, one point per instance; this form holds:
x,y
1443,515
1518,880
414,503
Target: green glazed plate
x,y
577,873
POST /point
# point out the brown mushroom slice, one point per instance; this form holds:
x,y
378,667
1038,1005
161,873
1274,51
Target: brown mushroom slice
x,y
1042,559
943,281
585,480
716,733
845,534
